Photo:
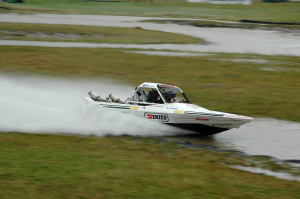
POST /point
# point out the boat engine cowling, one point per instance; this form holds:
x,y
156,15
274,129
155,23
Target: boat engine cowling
x,y
96,97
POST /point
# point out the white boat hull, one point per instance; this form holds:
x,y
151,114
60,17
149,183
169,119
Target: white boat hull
x,y
186,116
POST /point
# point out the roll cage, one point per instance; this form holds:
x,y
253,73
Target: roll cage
x,y
155,93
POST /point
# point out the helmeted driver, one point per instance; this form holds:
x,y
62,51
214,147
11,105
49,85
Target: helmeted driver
x,y
170,96
154,97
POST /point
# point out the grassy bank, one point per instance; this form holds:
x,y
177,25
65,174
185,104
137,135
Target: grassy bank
x,y
50,166
278,12
254,85
48,32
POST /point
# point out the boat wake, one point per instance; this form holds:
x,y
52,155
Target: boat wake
x,y
40,104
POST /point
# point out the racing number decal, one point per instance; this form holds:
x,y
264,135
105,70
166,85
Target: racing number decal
x,y
157,116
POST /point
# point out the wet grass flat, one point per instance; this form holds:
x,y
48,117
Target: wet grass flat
x,y
253,85
48,32
52,166
281,12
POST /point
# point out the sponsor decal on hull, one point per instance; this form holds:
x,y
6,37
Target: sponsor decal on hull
x,y
134,108
237,116
193,106
157,116
179,111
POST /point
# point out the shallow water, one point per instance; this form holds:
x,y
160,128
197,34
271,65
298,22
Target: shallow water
x,y
267,172
263,136
221,40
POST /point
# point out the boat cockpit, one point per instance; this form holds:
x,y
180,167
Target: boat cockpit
x,y
153,93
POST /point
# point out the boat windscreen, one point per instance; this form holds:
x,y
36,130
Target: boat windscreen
x,y
173,94
147,95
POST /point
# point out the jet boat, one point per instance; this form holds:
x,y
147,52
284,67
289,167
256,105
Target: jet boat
x,y
169,105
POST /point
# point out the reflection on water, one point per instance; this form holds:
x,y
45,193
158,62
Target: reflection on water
x,y
263,136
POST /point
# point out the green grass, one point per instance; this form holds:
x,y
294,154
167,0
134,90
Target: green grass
x,y
50,166
137,35
215,82
281,12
